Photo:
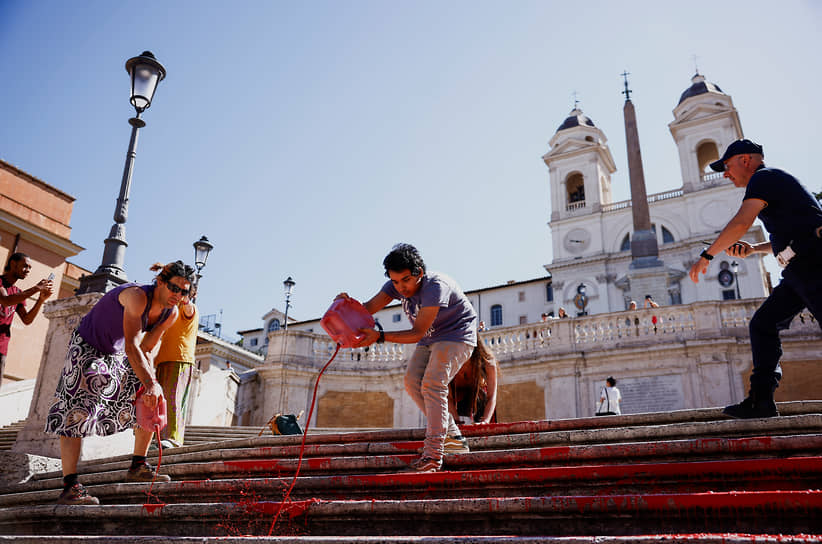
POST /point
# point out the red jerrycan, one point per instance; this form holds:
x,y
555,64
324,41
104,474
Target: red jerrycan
x,y
343,320
147,418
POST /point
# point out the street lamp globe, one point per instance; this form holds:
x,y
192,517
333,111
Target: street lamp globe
x,y
202,248
145,74
288,286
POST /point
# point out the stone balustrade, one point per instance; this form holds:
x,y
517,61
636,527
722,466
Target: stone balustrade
x,y
697,321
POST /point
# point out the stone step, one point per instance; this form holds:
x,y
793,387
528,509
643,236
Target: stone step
x,y
757,474
212,434
392,457
8,435
345,452
766,512
695,538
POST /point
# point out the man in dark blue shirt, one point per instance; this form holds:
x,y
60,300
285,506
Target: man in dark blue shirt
x,y
793,218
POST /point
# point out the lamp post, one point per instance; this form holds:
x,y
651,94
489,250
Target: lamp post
x,y
288,286
735,270
582,297
145,74
202,248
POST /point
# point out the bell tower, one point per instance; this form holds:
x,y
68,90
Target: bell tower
x,y
580,167
705,122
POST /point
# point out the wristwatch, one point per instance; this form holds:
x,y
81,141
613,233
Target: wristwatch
x,y
707,256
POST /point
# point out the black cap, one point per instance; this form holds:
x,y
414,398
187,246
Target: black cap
x,y
739,147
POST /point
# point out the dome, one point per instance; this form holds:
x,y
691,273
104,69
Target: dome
x,y
576,119
699,86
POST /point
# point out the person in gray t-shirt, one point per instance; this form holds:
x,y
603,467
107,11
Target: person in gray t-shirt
x,y
444,327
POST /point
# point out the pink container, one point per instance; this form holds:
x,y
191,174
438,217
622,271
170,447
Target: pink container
x,y
148,419
343,320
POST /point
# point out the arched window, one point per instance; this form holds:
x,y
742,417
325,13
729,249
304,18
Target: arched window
x,y
667,237
274,325
575,185
626,243
496,315
706,153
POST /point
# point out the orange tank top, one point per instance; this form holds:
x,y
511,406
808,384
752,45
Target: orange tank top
x,y
180,339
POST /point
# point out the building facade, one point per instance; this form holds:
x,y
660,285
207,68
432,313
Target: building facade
x,y
35,219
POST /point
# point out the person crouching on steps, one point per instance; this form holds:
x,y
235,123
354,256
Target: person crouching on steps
x,y
109,357
444,327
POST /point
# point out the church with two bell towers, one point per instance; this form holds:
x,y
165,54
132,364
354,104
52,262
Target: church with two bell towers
x,y
593,237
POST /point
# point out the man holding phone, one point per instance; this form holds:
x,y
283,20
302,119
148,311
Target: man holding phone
x,y
13,300
793,218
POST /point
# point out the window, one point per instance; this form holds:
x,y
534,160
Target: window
x,y
396,318
575,186
706,153
667,237
523,320
274,325
728,294
626,243
253,342
549,292
496,315
521,296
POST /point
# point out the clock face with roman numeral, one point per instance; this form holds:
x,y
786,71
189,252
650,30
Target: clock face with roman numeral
x,y
577,240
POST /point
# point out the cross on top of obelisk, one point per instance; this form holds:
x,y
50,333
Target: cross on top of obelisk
x,y
576,101
627,92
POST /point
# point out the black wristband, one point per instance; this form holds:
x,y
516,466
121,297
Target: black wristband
x,y
381,339
707,256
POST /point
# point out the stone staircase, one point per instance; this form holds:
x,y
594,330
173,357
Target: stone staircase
x,y
685,476
8,434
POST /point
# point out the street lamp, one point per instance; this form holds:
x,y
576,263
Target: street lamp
x,y
202,248
735,270
582,298
288,286
145,74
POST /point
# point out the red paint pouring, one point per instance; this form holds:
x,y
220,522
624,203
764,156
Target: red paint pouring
x,y
302,445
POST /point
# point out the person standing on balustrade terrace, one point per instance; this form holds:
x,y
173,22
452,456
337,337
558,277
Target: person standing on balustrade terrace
x,y
793,218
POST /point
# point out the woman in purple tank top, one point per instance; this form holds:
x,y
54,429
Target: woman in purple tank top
x,y
109,358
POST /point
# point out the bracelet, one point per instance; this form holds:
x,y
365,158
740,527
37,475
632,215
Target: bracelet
x,y
381,339
707,256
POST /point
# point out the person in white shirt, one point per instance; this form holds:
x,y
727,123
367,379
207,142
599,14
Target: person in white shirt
x,y
610,399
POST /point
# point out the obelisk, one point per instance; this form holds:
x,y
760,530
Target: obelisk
x,y
647,273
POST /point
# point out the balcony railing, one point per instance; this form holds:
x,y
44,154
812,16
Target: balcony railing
x,y
657,197
631,328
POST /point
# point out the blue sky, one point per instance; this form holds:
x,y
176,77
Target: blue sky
x,y
306,138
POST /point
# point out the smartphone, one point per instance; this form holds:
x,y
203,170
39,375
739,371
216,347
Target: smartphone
x,y
51,277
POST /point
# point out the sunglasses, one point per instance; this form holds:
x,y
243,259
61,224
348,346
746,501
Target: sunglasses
x,y
177,289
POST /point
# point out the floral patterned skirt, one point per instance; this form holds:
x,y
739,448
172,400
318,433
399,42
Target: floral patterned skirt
x,y
95,394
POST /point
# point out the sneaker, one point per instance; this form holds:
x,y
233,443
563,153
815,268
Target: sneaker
x,y
77,494
168,443
456,444
426,464
749,409
145,473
